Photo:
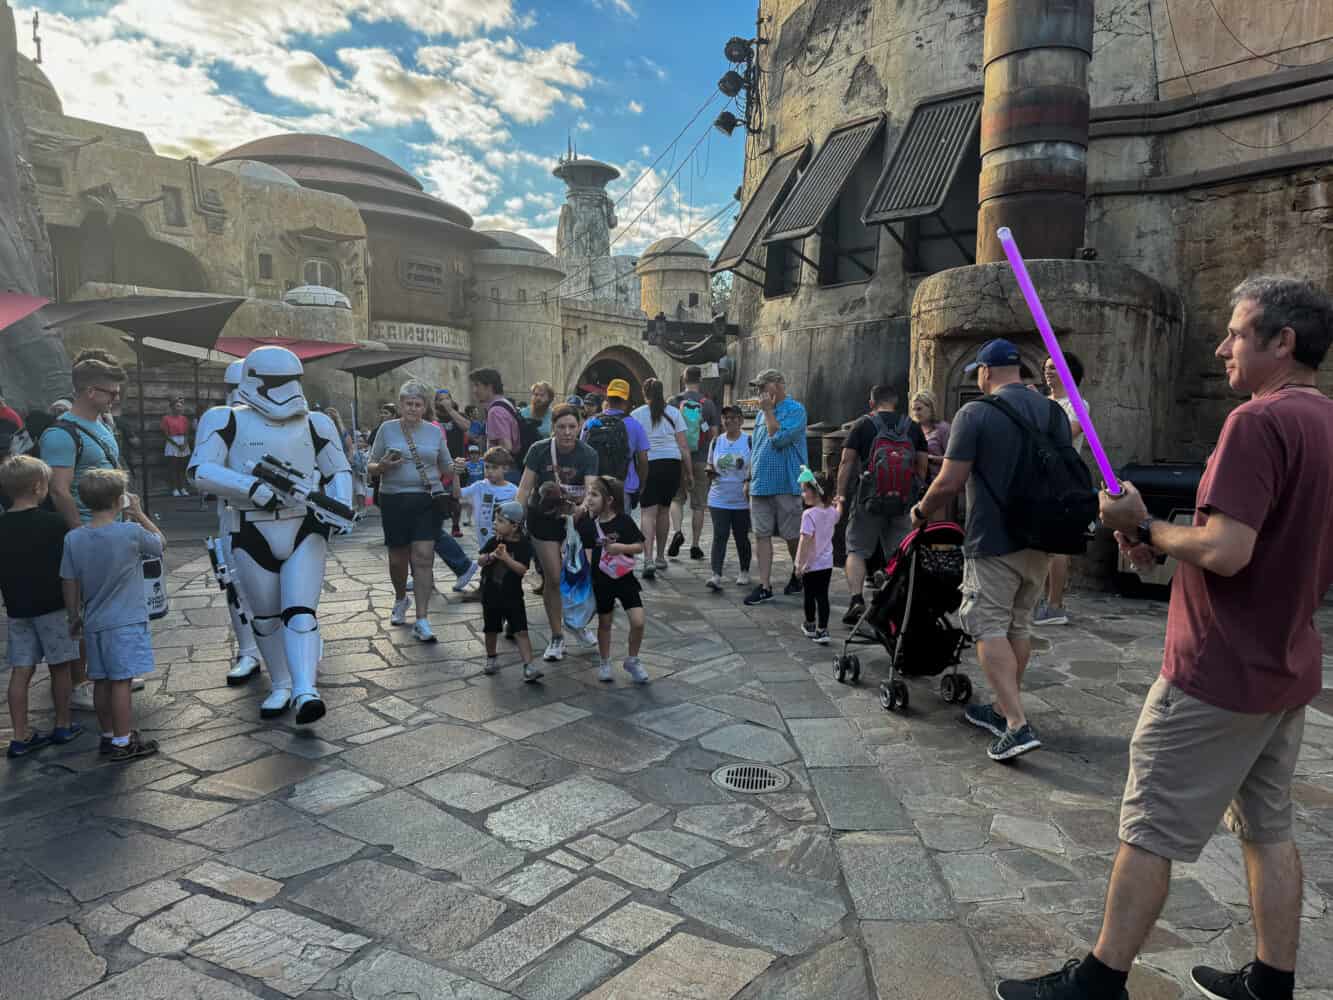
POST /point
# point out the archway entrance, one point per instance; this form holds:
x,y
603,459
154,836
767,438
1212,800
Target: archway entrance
x,y
616,362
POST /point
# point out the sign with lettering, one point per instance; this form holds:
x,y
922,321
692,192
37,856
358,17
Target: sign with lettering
x,y
444,341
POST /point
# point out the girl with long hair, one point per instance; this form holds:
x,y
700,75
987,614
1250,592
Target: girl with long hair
x,y
667,448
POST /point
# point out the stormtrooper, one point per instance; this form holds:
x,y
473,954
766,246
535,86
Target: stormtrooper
x,y
246,664
288,485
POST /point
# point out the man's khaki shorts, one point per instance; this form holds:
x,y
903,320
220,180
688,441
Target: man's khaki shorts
x,y
1192,765
779,514
697,494
999,593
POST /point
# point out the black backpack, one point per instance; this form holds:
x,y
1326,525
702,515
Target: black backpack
x,y
1052,504
609,437
529,430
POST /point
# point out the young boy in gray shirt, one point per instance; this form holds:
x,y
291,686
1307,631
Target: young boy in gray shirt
x,y
102,574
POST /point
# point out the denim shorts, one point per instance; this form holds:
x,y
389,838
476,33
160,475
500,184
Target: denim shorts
x,y
41,639
119,654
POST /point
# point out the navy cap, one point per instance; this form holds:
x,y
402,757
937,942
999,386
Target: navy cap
x,y
998,353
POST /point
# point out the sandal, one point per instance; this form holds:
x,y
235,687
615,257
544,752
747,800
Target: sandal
x,y
133,750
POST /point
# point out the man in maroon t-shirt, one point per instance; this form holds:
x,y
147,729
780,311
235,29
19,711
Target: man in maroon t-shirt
x,y
1221,729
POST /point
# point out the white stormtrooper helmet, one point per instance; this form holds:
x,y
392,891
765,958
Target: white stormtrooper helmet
x,y
232,379
271,383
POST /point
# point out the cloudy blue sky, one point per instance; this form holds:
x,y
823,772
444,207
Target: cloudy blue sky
x,y
475,97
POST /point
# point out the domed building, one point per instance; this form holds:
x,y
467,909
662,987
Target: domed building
x,y
674,279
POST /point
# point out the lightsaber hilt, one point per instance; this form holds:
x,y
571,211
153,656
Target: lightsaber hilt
x,y
1029,291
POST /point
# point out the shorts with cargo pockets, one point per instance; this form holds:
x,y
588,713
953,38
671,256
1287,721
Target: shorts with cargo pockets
x,y
999,593
1192,765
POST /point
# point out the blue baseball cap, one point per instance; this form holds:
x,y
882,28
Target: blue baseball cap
x,y
998,353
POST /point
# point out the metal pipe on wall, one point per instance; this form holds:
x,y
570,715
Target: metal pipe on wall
x,y
1034,126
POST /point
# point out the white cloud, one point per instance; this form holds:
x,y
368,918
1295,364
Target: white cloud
x,y
635,108
523,83
645,151
644,67
457,177
583,125
621,6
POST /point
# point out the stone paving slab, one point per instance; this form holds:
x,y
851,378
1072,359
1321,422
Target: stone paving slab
x,y
51,963
382,824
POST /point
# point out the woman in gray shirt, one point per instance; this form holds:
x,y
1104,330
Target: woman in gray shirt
x,y
413,464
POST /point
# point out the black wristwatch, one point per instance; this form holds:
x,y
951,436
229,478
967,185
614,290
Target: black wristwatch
x,y
917,514
1145,530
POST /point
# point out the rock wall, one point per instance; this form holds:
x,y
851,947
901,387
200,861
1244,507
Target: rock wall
x,y
34,368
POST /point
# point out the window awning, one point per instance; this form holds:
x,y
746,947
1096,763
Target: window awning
x,y
14,307
772,189
920,171
366,363
306,350
820,184
180,319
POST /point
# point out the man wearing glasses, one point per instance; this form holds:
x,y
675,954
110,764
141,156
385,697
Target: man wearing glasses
x,y
80,440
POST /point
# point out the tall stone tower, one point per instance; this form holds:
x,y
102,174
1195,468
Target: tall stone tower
x,y
583,240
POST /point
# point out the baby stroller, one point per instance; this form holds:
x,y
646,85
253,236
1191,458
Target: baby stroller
x,y
907,616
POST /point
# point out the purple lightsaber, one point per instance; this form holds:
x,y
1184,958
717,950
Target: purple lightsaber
x,y
1058,356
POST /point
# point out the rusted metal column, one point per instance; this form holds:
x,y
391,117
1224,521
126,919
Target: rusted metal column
x,y
1034,126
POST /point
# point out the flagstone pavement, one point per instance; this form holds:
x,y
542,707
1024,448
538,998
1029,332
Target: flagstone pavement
x,y
446,834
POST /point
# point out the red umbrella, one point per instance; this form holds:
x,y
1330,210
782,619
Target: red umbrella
x,y
306,350
14,307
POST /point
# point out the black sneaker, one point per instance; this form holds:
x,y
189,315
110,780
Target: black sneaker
x,y
809,631
856,607
760,595
822,637
793,586
1014,743
696,553
1224,985
677,540
985,717
1054,986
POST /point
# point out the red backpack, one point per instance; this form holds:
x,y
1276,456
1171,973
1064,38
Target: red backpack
x,y
888,484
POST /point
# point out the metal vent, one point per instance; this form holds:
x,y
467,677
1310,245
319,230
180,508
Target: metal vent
x,y
752,779
918,174
770,192
822,182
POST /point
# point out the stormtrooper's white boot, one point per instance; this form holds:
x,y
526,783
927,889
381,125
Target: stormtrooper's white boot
x,y
247,653
280,679
304,647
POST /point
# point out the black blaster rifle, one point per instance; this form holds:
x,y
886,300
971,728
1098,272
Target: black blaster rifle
x,y
226,582
294,489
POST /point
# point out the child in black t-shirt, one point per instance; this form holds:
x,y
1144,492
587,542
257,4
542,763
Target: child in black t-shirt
x,y
606,529
504,560
32,542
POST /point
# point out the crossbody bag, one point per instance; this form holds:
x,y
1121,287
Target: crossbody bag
x,y
441,502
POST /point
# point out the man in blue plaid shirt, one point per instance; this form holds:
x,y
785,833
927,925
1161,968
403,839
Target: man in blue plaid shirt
x,y
778,452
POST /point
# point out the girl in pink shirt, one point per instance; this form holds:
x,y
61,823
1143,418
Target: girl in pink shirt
x,y
814,554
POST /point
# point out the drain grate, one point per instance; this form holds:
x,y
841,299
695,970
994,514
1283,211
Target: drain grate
x,y
752,779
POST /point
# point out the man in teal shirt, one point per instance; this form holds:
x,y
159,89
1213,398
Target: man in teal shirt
x,y
778,452
76,442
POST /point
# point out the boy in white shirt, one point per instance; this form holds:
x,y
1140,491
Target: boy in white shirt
x,y
487,494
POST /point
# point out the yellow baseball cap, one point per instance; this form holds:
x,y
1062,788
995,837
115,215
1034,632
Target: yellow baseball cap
x,y
618,388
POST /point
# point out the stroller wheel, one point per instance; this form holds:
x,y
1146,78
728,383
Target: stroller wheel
x,y
900,693
963,689
887,700
948,688
840,668
854,662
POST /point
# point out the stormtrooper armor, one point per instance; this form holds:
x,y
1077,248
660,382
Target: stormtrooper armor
x,y
278,545
247,653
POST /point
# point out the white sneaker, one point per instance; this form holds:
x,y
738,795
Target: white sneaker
x,y
743,579
399,616
410,583
635,670
588,637
422,631
461,583
492,667
82,697
532,672
714,583
604,672
555,650
136,683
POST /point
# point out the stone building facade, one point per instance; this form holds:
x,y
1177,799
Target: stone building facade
x,y
1206,154
326,240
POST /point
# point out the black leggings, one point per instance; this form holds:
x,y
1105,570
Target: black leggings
x,y
737,524
814,585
